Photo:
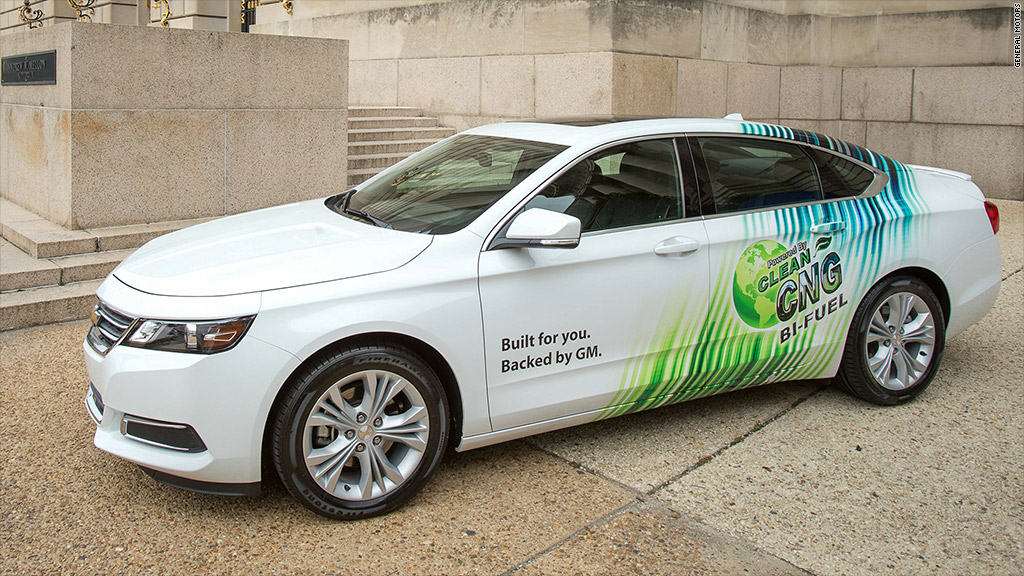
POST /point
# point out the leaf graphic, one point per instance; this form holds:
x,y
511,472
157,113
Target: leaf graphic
x,y
822,243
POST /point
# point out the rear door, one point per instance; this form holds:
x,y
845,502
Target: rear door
x,y
777,251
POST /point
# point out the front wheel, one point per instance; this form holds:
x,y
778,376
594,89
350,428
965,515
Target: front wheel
x,y
895,342
360,431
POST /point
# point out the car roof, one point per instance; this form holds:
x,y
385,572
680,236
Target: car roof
x,y
596,129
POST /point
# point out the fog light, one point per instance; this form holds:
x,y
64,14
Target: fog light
x,y
170,435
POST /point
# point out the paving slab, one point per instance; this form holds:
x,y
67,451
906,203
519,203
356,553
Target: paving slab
x,y
838,486
69,508
648,449
933,488
646,539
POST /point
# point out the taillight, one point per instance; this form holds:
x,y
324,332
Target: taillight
x,y
993,215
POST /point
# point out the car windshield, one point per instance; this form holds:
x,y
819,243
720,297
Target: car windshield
x,y
443,190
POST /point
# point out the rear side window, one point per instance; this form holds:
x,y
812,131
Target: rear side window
x,y
841,178
750,174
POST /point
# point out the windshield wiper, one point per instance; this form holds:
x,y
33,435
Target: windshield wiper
x,y
367,217
361,214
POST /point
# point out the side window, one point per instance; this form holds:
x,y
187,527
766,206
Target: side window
x,y
626,185
749,174
841,178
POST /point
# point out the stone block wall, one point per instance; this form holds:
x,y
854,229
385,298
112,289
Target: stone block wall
x,y
819,32
966,118
925,81
148,124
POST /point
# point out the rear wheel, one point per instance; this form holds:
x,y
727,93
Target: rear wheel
x,y
361,431
895,343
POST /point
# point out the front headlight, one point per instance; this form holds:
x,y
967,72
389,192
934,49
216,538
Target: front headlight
x,y
197,337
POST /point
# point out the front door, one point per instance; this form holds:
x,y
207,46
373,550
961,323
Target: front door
x,y
602,327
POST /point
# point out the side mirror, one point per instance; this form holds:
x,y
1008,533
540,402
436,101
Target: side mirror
x,y
543,229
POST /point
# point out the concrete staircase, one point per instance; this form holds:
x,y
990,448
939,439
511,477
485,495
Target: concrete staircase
x,y
379,137
50,274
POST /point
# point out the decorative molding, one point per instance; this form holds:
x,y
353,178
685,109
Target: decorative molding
x,y
29,16
250,6
84,9
165,12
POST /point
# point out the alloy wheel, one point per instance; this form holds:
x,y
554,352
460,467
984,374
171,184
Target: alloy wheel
x,y
365,435
900,341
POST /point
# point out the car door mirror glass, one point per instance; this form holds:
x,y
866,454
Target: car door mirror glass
x,y
543,228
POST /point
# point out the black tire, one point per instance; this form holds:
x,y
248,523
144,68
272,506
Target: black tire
x,y
341,375
864,345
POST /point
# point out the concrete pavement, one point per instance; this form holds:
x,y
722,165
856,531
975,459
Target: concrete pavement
x,y
787,479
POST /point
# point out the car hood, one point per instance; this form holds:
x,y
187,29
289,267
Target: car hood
x,y
279,247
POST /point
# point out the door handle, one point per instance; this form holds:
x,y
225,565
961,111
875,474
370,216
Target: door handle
x,y
828,227
677,246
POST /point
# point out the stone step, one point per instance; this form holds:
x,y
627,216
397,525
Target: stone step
x,y
361,111
41,238
391,122
374,134
19,271
84,267
24,308
379,137
361,175
388,146
378,161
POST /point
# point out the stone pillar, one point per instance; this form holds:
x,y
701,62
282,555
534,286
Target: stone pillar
x,y
147,124
142,12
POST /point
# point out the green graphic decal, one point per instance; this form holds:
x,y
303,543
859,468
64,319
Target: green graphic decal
x,y
765,319
773,284
697,352
762,266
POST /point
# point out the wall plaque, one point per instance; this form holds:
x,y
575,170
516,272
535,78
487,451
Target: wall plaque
x,y
24,69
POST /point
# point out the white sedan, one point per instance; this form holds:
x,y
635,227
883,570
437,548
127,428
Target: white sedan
x,y
523,277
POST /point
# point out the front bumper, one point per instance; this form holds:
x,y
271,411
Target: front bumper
x,y
224,399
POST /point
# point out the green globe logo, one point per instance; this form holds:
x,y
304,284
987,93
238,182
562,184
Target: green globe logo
x,y
756,308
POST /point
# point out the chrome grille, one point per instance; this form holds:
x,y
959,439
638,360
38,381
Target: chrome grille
x,y
108,327
94,404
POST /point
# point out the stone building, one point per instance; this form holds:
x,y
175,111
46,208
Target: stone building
x,y
930,82
271,119
926,81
